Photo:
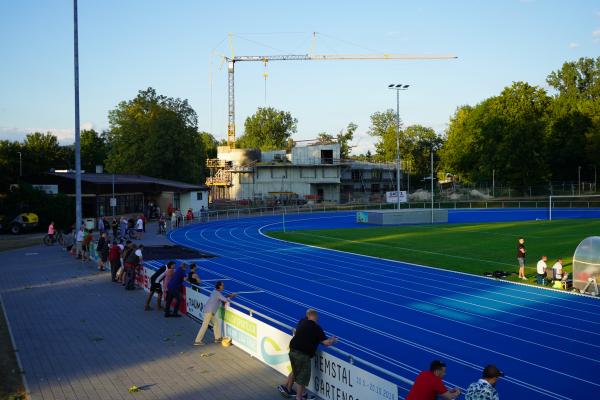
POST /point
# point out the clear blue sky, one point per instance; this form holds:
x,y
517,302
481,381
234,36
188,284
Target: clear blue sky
x,y
128,45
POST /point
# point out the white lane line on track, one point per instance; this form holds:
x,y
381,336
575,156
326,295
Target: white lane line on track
x,y
458,310
260,231
434,333
403,286
414,344
536,389
414,309
421,271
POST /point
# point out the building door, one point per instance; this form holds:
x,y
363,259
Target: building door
x,y
320,194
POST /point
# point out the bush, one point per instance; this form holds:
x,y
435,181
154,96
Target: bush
x,y
58,208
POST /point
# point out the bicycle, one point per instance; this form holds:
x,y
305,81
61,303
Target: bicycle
x,y
56,238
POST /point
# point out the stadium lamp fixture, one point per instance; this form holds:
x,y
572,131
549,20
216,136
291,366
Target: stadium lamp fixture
x,y
398,87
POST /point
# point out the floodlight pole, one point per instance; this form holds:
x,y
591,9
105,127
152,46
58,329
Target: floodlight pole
x,y
398,88
77,133
432,185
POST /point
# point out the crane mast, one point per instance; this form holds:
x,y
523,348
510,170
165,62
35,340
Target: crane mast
x,y
306,57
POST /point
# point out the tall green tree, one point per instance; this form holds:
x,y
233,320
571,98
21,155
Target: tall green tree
x,y
209,146
574,131
506,133
383,127
155,135
94,149
267,129
42,152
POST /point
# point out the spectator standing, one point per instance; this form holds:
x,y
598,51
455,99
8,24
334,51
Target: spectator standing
x,y
557,270
123,227
156,285
541,270
143,218
79,242
51,231
173,289
485,388
213,303
85,245
303,347
115,228
429,385
202,214
139,227
521,255
100,225
134,258
173,221
102,251
189,216
114,257
193,277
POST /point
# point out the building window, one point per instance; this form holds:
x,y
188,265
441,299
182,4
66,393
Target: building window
x,y
198,195
326,156
356,175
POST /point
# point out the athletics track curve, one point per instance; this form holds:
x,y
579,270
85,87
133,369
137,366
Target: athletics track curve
x,y
401,316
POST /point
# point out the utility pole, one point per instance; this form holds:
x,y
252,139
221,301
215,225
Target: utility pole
x,y
78,217
398,88
432,185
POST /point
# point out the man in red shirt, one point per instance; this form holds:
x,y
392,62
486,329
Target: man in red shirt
x,y
429,385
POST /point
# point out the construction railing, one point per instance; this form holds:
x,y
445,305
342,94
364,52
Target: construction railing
x,y
213,215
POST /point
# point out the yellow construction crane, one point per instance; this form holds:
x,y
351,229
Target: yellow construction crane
x,y
306,57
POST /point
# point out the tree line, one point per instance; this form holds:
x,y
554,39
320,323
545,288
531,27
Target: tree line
x,y
525,135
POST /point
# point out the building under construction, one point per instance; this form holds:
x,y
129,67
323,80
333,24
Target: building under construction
x,y
312,173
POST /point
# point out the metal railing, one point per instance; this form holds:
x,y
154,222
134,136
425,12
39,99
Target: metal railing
x,y
236,213
352,359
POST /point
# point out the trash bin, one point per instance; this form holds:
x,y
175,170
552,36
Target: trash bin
x,y
90,223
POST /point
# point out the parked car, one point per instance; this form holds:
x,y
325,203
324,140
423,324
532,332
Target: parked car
x,y
20,223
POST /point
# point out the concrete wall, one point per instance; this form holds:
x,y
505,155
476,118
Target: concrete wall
x,y
312,154
238,156
190,200
287,178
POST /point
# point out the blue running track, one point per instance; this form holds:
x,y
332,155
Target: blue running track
x,y
401,316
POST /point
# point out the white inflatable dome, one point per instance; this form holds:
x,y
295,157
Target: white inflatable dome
x,y
586,262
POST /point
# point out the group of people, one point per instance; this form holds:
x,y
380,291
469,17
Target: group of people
x,y
428,385
559,275
167,282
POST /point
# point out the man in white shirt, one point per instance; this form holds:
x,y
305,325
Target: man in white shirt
x,y
557,270
210,309
485,388
139,227
79,242
541,270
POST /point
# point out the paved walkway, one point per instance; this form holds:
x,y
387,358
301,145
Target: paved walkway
x,y
79,336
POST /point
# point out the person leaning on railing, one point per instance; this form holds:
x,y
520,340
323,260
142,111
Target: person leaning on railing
x,y
303,347
429,385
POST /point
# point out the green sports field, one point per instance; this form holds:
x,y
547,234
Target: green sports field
x,y
473,248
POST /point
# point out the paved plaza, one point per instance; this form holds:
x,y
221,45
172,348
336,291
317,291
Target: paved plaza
x,y
80,336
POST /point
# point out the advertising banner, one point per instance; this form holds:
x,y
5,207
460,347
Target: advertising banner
x,y
392,197
362,216
333,378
